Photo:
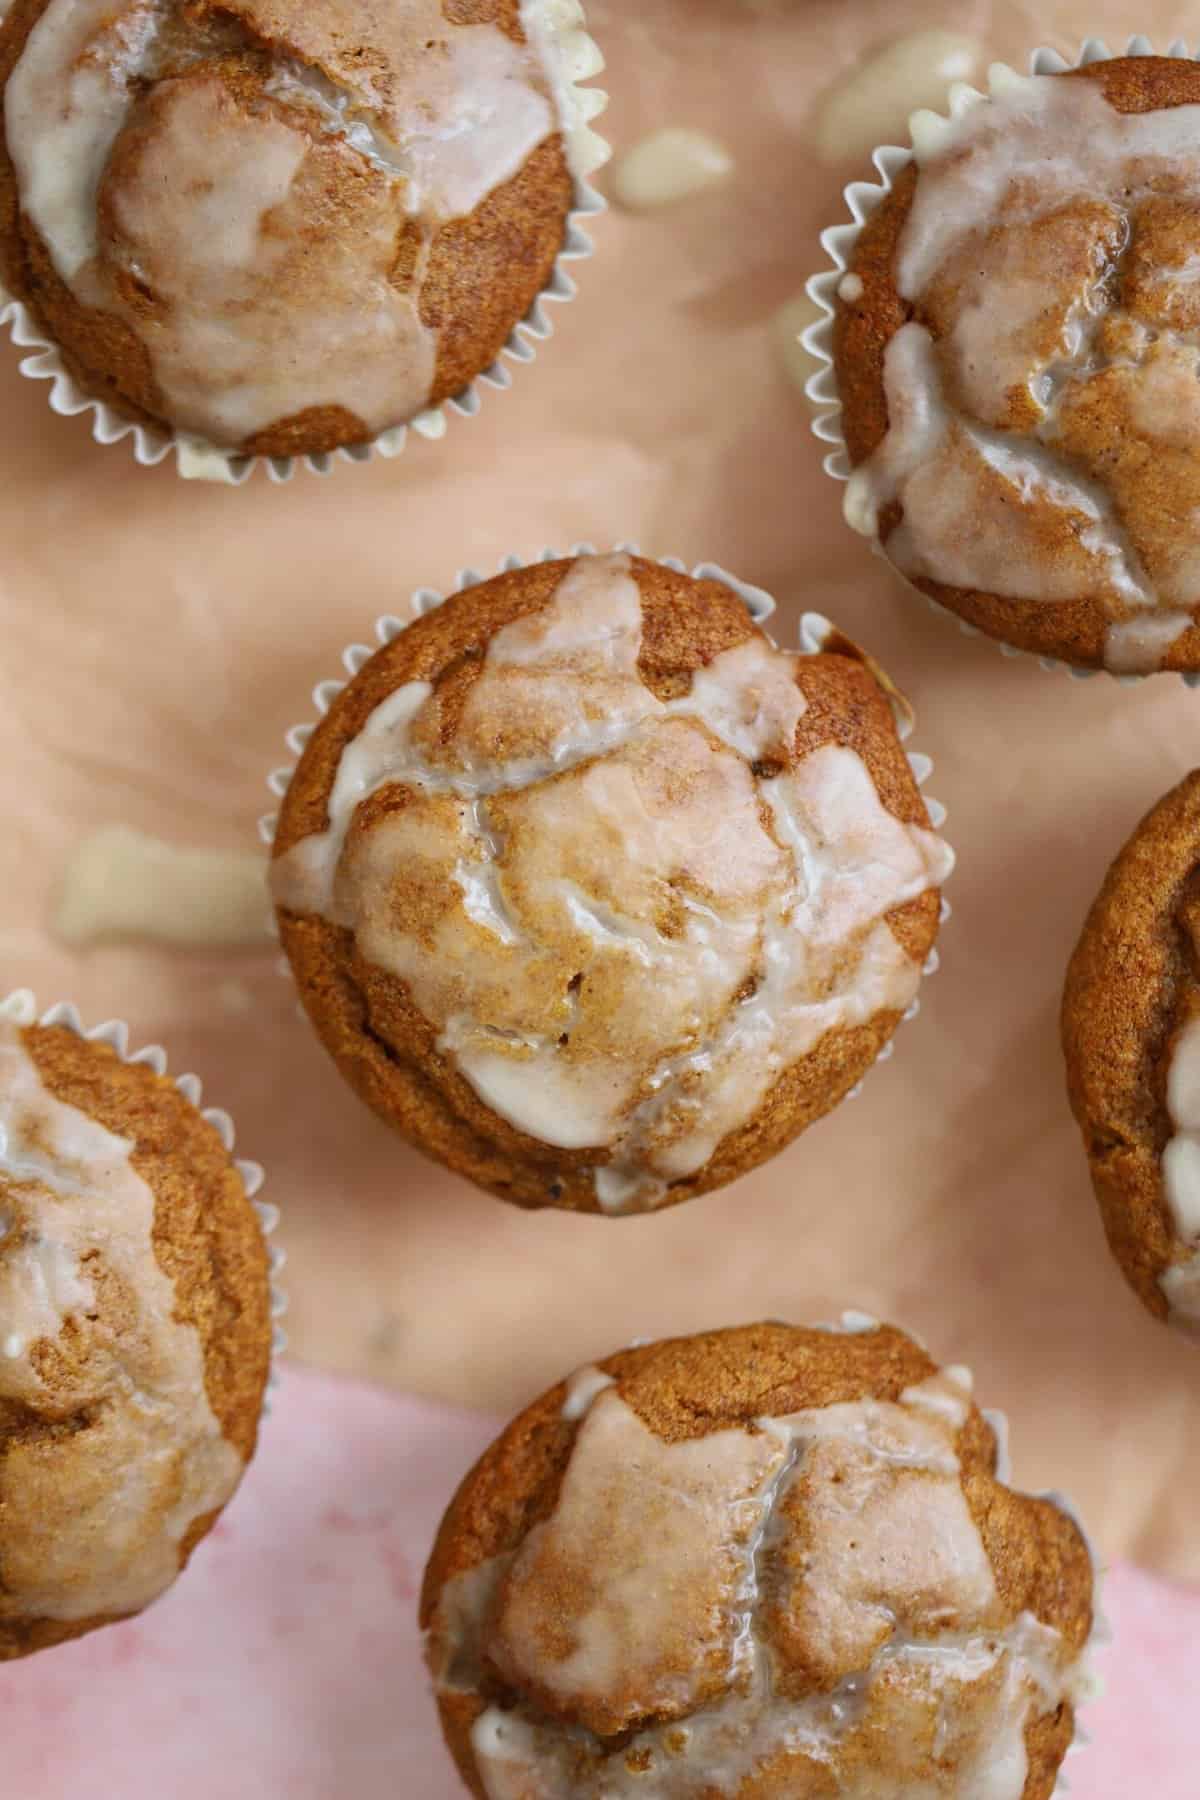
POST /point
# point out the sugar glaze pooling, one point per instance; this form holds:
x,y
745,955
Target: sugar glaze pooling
x,y
630,927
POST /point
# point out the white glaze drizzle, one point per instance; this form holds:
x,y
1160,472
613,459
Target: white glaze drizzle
x,y
622,934
92,1525
213,215
988,448
583,1388
838,1541
1181,1175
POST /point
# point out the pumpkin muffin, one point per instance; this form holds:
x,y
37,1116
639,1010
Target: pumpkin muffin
x,y
762,1562
596,895
1016,357
135,1333
1131,1031
280,226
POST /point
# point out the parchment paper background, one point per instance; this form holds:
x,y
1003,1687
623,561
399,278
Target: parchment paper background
x,y
157,638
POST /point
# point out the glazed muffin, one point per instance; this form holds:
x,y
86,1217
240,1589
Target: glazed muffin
x,y
135,1333
762,1562
1015,354
596,895
280,226
1131,1032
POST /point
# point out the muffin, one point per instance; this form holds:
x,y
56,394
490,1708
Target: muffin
x,y
763,1562
1014,347
280,226
1131,1032
597,896
135,1333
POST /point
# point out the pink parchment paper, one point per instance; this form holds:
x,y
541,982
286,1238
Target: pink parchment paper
x,y
157,640
288,1662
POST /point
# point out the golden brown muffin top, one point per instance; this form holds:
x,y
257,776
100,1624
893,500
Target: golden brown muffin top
x,y
1017,360
134,1333
1131,1031
760,1562
235,211
624,902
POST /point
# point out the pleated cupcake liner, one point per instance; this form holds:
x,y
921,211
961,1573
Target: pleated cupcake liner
x,y
21,1008
572,58
863,199
815,632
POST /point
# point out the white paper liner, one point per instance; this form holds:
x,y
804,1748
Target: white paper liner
x,y
815,630
862,199
20,1008
557,27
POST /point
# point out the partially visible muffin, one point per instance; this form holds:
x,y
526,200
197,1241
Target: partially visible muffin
x,y
767,1562
595,894
280,226
135,1334
1131,1032
1016,360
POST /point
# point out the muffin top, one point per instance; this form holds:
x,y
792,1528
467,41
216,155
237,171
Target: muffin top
x,y
1017,359
768,1561
1131,1031
597,865
135,1333
280,225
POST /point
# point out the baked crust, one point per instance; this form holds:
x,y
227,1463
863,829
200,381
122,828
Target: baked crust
x,y
383,1045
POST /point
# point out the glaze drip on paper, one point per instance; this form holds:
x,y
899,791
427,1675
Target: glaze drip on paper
x,y
816,1580
122,886
76,1220
1044,399
630,926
